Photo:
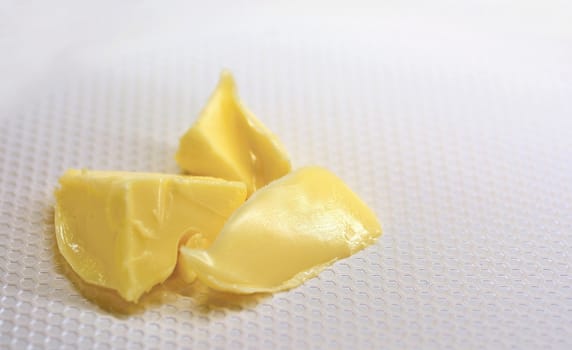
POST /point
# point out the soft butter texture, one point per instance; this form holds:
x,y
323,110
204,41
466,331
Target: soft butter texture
x,y
286,233
122,230
229,142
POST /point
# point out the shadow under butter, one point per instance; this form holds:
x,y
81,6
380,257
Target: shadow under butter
x,y
204,299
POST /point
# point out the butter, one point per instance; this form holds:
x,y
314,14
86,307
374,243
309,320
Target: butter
x,y
229,142
197,241
122,230
286,233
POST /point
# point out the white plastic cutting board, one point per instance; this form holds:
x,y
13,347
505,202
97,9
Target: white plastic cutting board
x,y
453,121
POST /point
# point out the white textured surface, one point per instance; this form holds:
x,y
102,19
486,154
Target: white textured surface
x,y
457,133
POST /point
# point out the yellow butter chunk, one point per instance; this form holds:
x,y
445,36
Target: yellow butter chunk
x,y
122,230
286,233
229,142
197,241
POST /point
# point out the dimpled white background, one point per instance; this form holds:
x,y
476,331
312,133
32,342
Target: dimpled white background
x,y
454,122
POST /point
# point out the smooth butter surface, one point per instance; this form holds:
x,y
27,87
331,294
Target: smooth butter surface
x,y
229,142
121,230
284,234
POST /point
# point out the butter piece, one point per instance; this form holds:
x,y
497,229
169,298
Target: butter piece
x,y
286,233
229,142
122,230
197,241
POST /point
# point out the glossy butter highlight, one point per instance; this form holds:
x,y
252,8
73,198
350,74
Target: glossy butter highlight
x,y
286,233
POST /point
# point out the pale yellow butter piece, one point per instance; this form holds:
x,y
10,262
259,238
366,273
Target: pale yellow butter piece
x,y
229,142
286,233
122,230
197,241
